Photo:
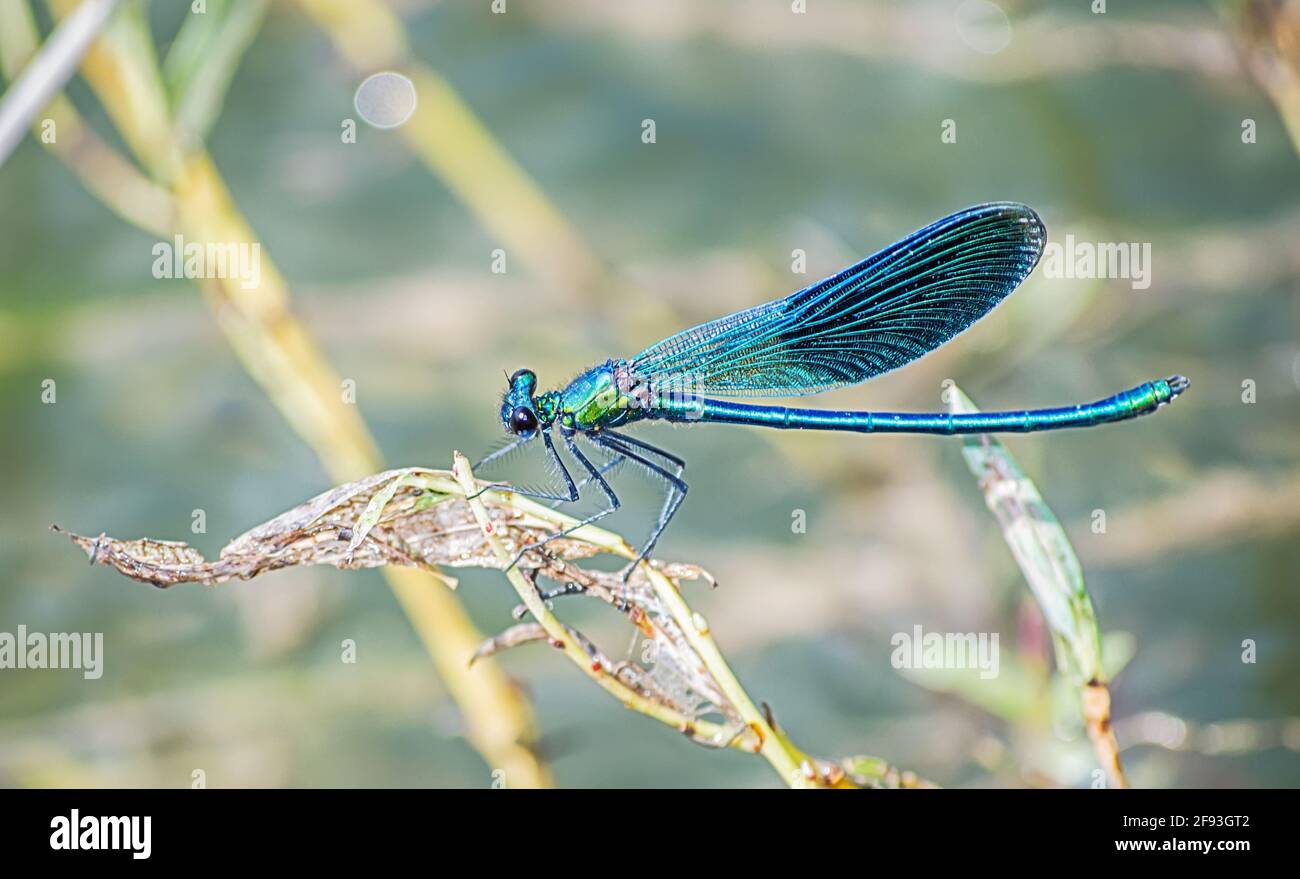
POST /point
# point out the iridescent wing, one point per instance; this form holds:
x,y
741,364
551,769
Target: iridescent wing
x,y
873,317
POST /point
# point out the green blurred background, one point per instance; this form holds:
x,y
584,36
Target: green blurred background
x,y
775,131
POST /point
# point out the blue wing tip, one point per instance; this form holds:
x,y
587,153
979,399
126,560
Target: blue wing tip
x,y
1034,231
1023,213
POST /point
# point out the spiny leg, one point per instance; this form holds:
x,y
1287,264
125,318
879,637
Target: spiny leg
x,y
676,496
586,480
595,474
678,464
571,497
645,446
569,588
676,493
501,452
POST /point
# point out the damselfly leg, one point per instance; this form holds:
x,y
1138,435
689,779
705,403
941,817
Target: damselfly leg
x,y
594,474
637,450
570,496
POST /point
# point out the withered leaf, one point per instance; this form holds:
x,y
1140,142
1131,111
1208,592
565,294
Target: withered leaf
x,y
411,523
419,518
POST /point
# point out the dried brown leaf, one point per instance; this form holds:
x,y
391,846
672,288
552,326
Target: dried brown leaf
x,y
419,518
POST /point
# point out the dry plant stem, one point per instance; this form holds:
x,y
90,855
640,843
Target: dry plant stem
x,y
284,359
564,639
796,769
1096,717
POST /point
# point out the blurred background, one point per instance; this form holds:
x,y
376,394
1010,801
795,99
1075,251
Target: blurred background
x,y
1169,123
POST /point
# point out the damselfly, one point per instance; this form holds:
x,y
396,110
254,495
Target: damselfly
x,y
873,317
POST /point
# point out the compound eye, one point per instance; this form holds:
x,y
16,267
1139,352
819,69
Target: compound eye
x,y
522,420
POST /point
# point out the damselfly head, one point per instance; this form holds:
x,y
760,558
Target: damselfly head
x,y
518,412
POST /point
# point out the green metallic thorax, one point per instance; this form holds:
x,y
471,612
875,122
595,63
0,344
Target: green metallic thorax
x,y
603,396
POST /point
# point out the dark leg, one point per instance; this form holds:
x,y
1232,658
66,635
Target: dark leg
x,y
604,471
567,589
501,452
536,495
646,447
676,493
674,463
594,474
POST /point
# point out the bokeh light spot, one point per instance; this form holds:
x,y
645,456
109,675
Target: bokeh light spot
x,y
385,100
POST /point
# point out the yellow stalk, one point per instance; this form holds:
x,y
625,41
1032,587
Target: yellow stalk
x,y
284,359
